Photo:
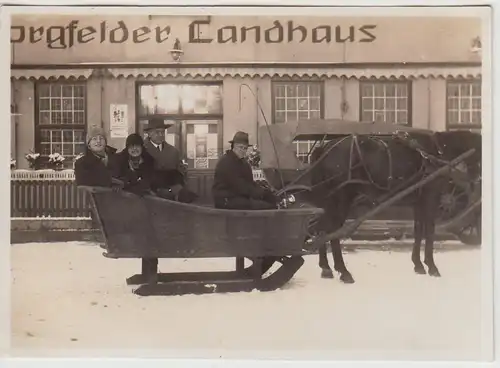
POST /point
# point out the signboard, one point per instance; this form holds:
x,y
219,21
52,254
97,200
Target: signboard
x,y
61,39
118,121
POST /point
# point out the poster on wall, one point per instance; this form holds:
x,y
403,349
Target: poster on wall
x,y
118,121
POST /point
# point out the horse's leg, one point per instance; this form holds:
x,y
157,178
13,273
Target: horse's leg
x,y
431,207
339,264
338,220
418,231
326,271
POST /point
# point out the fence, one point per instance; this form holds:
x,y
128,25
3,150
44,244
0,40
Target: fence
x,y
53,194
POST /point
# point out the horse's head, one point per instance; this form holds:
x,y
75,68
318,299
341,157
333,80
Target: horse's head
x,y
455,143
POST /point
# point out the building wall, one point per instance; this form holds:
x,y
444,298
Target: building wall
x,y
428,106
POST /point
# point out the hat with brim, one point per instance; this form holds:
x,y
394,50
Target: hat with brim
x,y
156,124
241,138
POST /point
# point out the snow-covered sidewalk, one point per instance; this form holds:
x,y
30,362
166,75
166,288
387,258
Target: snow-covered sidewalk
x,y
68,296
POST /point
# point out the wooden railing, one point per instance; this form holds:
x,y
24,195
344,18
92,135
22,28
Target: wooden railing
x,y
53,194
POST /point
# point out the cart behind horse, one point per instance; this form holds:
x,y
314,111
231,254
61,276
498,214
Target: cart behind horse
x,y
150,228
377,163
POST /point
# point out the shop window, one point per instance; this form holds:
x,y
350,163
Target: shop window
x,y
463,101
195,112
60,119
298,101
386,101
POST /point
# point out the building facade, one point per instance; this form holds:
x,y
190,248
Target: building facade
x,y
215,75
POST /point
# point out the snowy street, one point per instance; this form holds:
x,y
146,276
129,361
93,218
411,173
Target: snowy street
x,y
68,296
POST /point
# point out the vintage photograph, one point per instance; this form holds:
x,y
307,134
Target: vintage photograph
x,y
251,183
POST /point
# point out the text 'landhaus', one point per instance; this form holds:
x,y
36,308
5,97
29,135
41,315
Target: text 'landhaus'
x,y
63,37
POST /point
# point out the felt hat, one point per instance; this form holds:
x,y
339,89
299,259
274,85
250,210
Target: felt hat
x,y
156,124
94,131
240,137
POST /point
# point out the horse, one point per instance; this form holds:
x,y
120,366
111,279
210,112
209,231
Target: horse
x,y
349,168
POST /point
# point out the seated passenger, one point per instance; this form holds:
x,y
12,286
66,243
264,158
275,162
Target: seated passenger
x,y
169,181
94,167
234,187
134,166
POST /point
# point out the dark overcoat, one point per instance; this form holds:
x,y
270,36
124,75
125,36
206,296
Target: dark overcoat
x,y
233,178
138,180
91,170
168,164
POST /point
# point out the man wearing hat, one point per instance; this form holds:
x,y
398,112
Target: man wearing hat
x,y
168,163
234,187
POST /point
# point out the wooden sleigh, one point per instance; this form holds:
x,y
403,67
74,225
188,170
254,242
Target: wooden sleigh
x,y
150,227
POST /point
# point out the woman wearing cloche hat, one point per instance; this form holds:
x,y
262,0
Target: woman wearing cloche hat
x,y
94,167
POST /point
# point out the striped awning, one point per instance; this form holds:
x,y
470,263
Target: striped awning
x,y
357,73
50,73
253,72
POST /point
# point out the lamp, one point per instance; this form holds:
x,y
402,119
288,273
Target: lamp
x,y
476,45
176,51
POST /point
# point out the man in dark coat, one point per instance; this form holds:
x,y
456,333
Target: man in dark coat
x,y
169,180
134,166
234,187
94,167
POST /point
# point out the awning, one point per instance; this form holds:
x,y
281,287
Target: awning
x,y
50,73
357,73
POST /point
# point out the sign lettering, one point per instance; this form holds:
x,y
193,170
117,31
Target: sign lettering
x,y
73,33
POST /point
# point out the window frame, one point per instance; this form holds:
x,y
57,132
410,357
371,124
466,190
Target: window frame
x,y
375,81
450,126
39,127
182,120
318,81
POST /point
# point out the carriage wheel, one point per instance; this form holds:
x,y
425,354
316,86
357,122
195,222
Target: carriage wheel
x,y
471,233
453,201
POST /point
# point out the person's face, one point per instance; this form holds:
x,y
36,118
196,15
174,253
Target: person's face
x,y
157,136
240,149
135,150
97,143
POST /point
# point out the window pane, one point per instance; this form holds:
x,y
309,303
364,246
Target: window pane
x,y
390,90
390,117
402,103
390,103
476,103
453,103
291,116
279,104
366,90
465,117
291,104
303,115
402,117
476,89
465,103
379,104
453,117
367,103
314,103
280,116
367,116
476,117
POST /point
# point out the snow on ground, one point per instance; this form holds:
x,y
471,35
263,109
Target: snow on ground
x,y
68,296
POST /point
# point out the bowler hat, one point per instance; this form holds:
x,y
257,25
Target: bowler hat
x,y
156,124
240,137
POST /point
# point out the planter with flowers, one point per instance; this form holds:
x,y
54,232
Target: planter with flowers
x,y
253,157
56,161
33,160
